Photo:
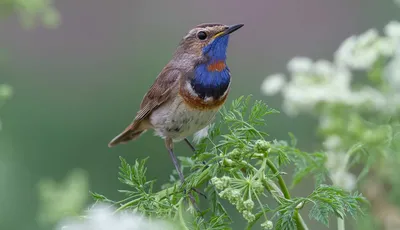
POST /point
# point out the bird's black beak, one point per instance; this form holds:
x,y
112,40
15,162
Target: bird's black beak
x,y
233,28
229,30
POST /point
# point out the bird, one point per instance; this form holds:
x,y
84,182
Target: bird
x,y
188,92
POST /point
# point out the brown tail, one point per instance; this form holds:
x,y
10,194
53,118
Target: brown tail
x,y
127,135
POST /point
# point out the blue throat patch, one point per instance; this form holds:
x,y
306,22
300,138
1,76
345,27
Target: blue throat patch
x,y
208,83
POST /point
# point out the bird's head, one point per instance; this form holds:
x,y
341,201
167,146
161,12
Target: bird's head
x,y
207,42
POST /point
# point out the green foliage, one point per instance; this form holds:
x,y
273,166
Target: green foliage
x,y
241,167
32,12
6,93
67,198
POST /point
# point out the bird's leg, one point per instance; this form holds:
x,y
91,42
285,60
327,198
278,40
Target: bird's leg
x,y
169,145
190,145
193,149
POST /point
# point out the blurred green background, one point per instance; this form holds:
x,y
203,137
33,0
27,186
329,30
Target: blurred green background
x,y
79,85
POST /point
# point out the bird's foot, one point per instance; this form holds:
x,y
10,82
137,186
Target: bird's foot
x,y
193,199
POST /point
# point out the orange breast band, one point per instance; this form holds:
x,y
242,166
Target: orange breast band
x,y
216,66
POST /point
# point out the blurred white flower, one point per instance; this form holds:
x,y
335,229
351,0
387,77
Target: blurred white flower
x,y
325,122
324,68
273,84
359,52
392,30
344,180
102,217
345,50
299,65
337,166
336,161
392,71
324,83
386,46
332,142
369,95
367,38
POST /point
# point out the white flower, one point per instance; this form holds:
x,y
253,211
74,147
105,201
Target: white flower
x,y
386,46
323,68
344,179
367,38
392,30
358,52
345,50
299,65
324,83
337,166
325,121
102,217
336,161
273,84
332,142
369,95
365,59
392,71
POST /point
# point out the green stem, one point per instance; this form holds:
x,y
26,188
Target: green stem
x,y
301,225
340,224
281,182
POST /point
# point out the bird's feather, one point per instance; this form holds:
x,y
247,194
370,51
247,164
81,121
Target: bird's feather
x,y
163,88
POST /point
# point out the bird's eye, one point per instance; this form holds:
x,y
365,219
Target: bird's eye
x,y
201,35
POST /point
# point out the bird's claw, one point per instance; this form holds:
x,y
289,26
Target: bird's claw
x,y
199,192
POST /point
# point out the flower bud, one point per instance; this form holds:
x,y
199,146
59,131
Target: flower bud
x,y
248,204
225,181
267,225
226,193
262,146
235,196
239,205
248,216
235,154
227,162
217,183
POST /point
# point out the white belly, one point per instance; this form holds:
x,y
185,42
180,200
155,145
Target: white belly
x,y
177,121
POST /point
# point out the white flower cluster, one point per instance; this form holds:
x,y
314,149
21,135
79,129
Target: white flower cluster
x,y
337,164
322,81
102,217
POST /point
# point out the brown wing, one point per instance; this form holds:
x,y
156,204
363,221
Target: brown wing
x,y
162,89
159,92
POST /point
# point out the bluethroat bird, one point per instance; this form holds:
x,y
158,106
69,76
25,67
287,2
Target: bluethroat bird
x,y
188,92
